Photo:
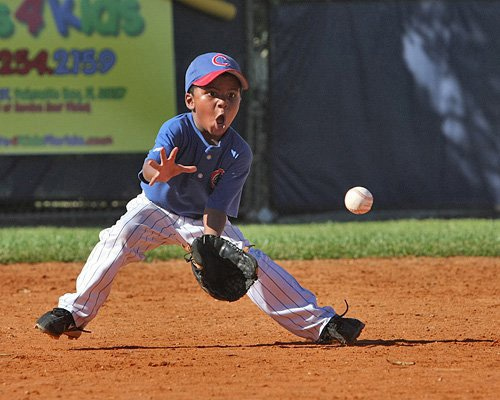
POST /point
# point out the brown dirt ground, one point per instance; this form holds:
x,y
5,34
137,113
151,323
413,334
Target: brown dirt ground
x,y
432,332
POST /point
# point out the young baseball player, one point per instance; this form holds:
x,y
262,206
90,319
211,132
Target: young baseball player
x,y
192,181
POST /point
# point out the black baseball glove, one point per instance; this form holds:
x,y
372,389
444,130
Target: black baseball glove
x,y
222,269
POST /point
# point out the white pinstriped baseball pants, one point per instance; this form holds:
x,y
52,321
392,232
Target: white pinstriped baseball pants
x,y
146,226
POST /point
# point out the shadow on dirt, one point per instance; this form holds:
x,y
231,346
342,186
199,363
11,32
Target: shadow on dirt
x,y
410,342
359,343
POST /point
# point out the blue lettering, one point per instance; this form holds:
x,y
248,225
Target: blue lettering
x,y
52,140
4,142
63,15
4,94
75,140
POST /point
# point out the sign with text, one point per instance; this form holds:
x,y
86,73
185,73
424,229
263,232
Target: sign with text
x,y
84,76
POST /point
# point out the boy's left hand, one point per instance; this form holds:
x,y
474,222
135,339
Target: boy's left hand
x,y
167,168
222,269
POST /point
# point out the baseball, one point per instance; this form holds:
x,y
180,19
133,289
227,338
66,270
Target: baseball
x,y
358,200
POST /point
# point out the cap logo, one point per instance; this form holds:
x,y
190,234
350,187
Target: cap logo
x,y
220,60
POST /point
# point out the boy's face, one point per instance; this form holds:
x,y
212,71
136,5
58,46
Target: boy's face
x,y
215,106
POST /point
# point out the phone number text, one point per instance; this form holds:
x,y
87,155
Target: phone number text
x,y
65,62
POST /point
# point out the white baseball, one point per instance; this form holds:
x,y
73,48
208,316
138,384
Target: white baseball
x,y
358,200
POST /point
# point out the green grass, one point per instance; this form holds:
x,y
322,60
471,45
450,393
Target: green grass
x,y
434,238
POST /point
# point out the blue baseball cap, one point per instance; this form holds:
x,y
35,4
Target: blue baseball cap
x,y
206,67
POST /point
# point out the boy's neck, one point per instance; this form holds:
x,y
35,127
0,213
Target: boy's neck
x,y
210,139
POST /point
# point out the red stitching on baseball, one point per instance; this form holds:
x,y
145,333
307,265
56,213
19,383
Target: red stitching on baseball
x,y
364,196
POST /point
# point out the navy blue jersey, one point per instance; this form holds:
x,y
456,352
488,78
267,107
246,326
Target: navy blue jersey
x,y
218,182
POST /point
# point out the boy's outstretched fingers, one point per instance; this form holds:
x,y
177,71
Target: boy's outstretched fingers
x,y
187,169
172,155
167,168
163,155
180,169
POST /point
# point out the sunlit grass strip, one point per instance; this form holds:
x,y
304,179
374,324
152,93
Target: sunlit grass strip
x,y
434,238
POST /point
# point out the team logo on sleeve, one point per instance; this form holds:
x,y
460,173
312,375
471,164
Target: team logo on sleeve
x,y
215,176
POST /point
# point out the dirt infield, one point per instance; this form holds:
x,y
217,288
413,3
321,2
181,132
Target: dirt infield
x,y
432,332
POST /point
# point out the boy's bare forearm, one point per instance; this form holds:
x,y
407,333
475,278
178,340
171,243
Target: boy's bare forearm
x,y
214,222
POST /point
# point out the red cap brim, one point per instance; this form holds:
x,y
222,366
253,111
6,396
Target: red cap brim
x,y
205,80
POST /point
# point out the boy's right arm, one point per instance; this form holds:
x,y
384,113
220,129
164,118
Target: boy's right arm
x,y
167,169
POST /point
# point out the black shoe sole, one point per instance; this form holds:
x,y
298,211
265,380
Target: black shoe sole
x,y
70,334
356,335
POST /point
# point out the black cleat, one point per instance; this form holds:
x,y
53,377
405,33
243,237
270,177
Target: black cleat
x,y
58,322
343,330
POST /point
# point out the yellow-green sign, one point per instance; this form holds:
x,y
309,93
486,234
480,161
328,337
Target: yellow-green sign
x,y
84,76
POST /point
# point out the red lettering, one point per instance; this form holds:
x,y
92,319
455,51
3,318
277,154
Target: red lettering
x,y
31,13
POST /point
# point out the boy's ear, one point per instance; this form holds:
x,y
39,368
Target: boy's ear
x,y
189,100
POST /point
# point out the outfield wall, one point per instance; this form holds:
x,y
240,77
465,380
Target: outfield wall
x,y
400,97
